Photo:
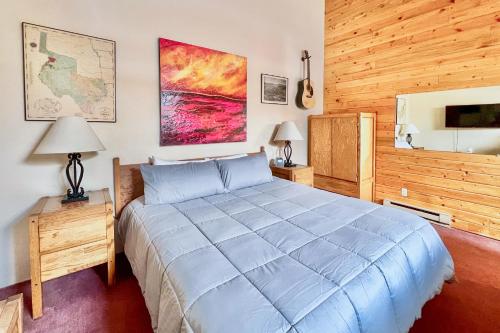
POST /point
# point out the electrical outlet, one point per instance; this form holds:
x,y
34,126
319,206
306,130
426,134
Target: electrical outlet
x,y
404,192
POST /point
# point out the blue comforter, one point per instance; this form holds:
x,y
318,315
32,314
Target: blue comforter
x,y
282,257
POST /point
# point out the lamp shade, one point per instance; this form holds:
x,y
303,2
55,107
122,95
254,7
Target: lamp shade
x,y
408,129
69,134
288,131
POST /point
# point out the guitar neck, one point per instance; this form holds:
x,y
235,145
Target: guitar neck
x,y
308,70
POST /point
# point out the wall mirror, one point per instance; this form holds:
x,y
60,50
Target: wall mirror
x,y
461,120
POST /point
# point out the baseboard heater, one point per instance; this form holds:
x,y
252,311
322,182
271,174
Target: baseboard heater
x,y
435,217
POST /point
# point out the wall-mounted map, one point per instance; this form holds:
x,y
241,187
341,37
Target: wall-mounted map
x,y
68,74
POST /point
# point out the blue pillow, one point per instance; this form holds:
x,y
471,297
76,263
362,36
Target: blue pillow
x,y
180,182
245,171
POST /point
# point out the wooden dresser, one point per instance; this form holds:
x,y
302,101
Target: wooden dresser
x,y
302,174
11,314
66,238
342,152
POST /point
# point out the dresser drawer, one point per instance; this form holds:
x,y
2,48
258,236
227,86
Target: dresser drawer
x,y
65,232
74,259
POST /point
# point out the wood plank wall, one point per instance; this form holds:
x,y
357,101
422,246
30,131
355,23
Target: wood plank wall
x,y
376,49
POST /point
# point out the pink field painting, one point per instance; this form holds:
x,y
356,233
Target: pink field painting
x,y
203,95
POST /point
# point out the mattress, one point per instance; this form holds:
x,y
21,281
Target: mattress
x,y
282,257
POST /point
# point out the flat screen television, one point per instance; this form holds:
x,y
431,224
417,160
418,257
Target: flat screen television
x,y
478,116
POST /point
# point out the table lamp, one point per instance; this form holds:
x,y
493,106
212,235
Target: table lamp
x,y
288,132
71,135
408,129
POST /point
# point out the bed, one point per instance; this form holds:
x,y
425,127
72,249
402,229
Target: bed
x,y
278,257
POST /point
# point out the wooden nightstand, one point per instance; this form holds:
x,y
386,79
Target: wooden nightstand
x,y
302,174
11,314
66,238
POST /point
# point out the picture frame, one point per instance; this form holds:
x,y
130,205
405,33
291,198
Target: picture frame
x,y
273,89
211,93
46,96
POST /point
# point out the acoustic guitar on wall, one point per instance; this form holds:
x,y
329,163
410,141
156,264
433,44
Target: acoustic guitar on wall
x,y
305,94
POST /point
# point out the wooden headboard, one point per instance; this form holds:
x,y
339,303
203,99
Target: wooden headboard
x,y
129,184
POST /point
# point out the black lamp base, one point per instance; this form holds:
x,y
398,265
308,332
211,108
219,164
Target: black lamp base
x,y
68,199
409,139
288,154
76,193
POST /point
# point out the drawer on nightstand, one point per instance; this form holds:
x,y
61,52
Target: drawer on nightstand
x,y
62,233
303,176
74,259
282,176
282,173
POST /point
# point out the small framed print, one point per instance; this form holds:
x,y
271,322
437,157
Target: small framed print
x,y
274,89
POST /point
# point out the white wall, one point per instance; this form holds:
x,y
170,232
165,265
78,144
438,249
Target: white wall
x,y
427,112
271,34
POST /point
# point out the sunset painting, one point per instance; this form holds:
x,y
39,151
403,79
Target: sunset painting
x,y
203,95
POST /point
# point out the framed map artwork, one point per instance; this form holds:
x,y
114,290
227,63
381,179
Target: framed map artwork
x,y
66,73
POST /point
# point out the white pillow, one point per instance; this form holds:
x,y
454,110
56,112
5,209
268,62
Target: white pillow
x,y
230,157
158,161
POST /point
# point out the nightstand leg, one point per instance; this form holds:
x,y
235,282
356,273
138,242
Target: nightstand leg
x,y
36,299
111,248
36,280
111,271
